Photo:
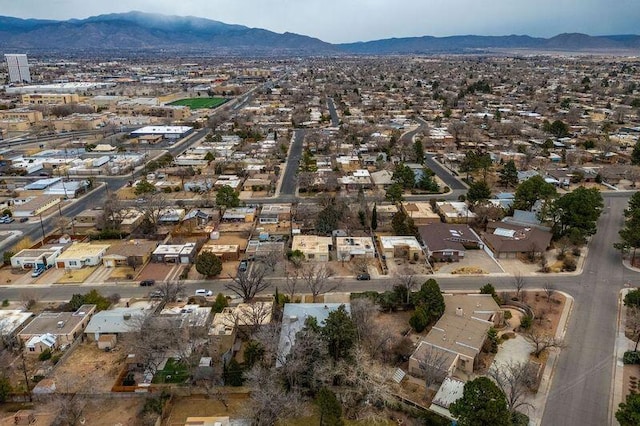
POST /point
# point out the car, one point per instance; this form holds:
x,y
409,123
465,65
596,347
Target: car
x,y
147,283
204,292
38,271
24,219
244,265
156,294
363,277
9,220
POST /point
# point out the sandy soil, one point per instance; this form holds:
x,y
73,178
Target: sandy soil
x,y
201,406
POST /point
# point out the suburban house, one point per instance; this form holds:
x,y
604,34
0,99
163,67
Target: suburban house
x,y
454,211
421,213
382,179
350,247
54,329
34,258
174,253
198,217
447,242
36,206
89,219
294,316
458,336
117,321
257,249
404,247
79,255
11,320
239,214
507,240
275,213
132,253
314,247
223,251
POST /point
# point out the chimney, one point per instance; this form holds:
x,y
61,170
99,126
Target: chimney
x,y
459,312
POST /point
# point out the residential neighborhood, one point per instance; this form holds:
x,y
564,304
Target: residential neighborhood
x,y
195,240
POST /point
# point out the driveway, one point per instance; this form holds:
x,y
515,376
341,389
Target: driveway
x,y
472,259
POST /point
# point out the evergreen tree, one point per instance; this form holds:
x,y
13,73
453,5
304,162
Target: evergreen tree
x,y
430,298
374,218
329,407
628,413
208,264
339,332
635,154
227,197
482,403
478,191
419,149
509,175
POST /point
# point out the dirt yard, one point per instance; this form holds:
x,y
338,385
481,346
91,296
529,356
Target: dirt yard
x,y
113,411
90,369
201,406
547,312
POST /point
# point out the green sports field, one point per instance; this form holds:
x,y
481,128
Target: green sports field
x,y
198,103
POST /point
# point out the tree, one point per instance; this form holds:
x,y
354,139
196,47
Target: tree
x,y
630,233
144,187
519,283
171,290
558,128
577,212
478,191
532,190
227,197
549,290
404,176
220,303
419,149
91,298
430,298
635,154
509,175
628,413
394,193
374,218
542,342
328,218
402,224
247,284
339,332
427,181
433,365
208,264
329,407
272,259
482,403
515,379
317,279
5,388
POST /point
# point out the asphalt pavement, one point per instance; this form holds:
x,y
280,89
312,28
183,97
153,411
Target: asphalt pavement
x,y
335,120
289,181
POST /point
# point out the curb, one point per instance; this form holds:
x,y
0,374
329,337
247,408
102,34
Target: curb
x,y
552,361
617,378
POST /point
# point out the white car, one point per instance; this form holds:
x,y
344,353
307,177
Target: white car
x,y
203,292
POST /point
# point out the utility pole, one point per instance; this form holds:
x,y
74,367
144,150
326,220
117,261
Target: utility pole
x,y
42,228
26,376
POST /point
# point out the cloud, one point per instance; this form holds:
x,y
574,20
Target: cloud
x,y
355,20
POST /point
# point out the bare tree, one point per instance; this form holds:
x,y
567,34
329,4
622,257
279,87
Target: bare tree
x,y
171,290
632,326
516,379
549,290
317,279
270,402
272,259
70,409
291,284
28,299
247,284
542,342
407,282
519,283
433,365
360,265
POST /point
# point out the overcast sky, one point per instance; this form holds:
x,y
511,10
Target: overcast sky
x,y
361,20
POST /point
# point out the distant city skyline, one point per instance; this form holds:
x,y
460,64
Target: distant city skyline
x,y
345,21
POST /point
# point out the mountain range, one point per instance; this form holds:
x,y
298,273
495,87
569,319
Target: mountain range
x,y
138,31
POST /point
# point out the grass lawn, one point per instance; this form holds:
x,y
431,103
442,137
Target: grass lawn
x,y
199,103
174,372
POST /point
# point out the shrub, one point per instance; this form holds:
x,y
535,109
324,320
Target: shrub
x,y
507,315
632,298
419,320
576,251
55,358
569,264
526,322
631,357
5,303
45,355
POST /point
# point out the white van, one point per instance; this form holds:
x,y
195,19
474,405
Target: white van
x,y
203,292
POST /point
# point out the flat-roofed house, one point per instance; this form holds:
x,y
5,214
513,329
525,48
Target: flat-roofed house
x,y
507,240
223,251
174,253
131,253
64,326
34,258
38,205
315,248
79,255
421,213
404,247
350,247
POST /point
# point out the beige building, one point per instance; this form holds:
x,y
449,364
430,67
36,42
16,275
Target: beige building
x,y
457,338
223,251
79,255
29,115
75,122
403,247
38,205
49,98
350,247
314,248
64,326
421,213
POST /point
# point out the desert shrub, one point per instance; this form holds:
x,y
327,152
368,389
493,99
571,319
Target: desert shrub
x,y
569,264
631,357
45,355
526,322
508,315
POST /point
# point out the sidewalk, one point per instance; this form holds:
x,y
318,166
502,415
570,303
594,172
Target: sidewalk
x,y
540,400
622,345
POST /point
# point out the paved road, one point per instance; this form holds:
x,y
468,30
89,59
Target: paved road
x,y
451,181
288,187
335,120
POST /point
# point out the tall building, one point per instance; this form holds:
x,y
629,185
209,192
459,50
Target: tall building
x,y
18,68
